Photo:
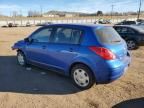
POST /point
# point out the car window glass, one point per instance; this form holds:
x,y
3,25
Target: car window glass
x,y
76,34
130,22
43,35
107,35
66,36
62,35
127,22
118,29
131,31
124,30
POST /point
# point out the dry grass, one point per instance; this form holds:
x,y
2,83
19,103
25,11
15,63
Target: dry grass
x,y
69,18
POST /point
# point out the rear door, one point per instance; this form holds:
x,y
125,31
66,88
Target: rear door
x,y
64,47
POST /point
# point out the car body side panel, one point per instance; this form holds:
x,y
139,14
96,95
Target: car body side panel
x,y
60,55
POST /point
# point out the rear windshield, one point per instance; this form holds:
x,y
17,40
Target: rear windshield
x,y
107,35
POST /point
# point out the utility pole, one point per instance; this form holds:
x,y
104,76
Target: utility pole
x,y
41,11
10,14
20,13
139,9
112,11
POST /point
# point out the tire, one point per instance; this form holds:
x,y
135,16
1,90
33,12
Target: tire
x,y
132,44
21,59
82,76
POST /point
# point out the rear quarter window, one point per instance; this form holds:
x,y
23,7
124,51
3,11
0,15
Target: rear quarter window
x,y
107,35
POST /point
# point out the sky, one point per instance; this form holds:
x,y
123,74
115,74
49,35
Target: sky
x,y
90,6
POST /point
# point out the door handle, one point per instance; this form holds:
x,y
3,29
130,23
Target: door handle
x,y
43,47
71,49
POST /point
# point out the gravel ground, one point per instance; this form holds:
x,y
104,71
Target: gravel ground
x,y
37,88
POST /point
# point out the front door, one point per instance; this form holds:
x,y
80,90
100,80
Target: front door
x,y
37,49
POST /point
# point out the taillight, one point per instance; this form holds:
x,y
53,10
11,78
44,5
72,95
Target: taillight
x,y
103,52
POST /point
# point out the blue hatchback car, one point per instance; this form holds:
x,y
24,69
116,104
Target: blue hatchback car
x,y
86,53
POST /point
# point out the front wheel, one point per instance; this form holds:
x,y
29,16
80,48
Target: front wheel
x,y
21,58
82,76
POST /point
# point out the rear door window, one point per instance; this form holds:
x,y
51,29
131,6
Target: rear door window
x,y
127,30
131,22
107,35
131,31
66,36
62,35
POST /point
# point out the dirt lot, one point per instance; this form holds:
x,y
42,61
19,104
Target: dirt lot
x,y
22,88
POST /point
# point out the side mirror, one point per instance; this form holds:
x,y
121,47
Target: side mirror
x,y
27,40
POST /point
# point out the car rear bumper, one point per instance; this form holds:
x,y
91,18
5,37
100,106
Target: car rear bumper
x,y
117,73
114,73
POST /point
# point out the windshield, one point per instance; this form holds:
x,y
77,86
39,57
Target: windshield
x,y
107,35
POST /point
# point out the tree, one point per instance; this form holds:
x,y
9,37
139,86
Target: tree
x,y
99,13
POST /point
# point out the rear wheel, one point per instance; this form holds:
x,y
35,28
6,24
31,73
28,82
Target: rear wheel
x,y
21,58
131,44
82,76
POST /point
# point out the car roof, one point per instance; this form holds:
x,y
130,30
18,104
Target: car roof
x,y
79,25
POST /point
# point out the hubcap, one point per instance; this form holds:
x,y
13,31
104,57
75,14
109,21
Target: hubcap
x,y
21,59
131,44
81,77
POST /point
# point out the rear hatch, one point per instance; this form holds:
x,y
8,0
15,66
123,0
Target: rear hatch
x,y
111,40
